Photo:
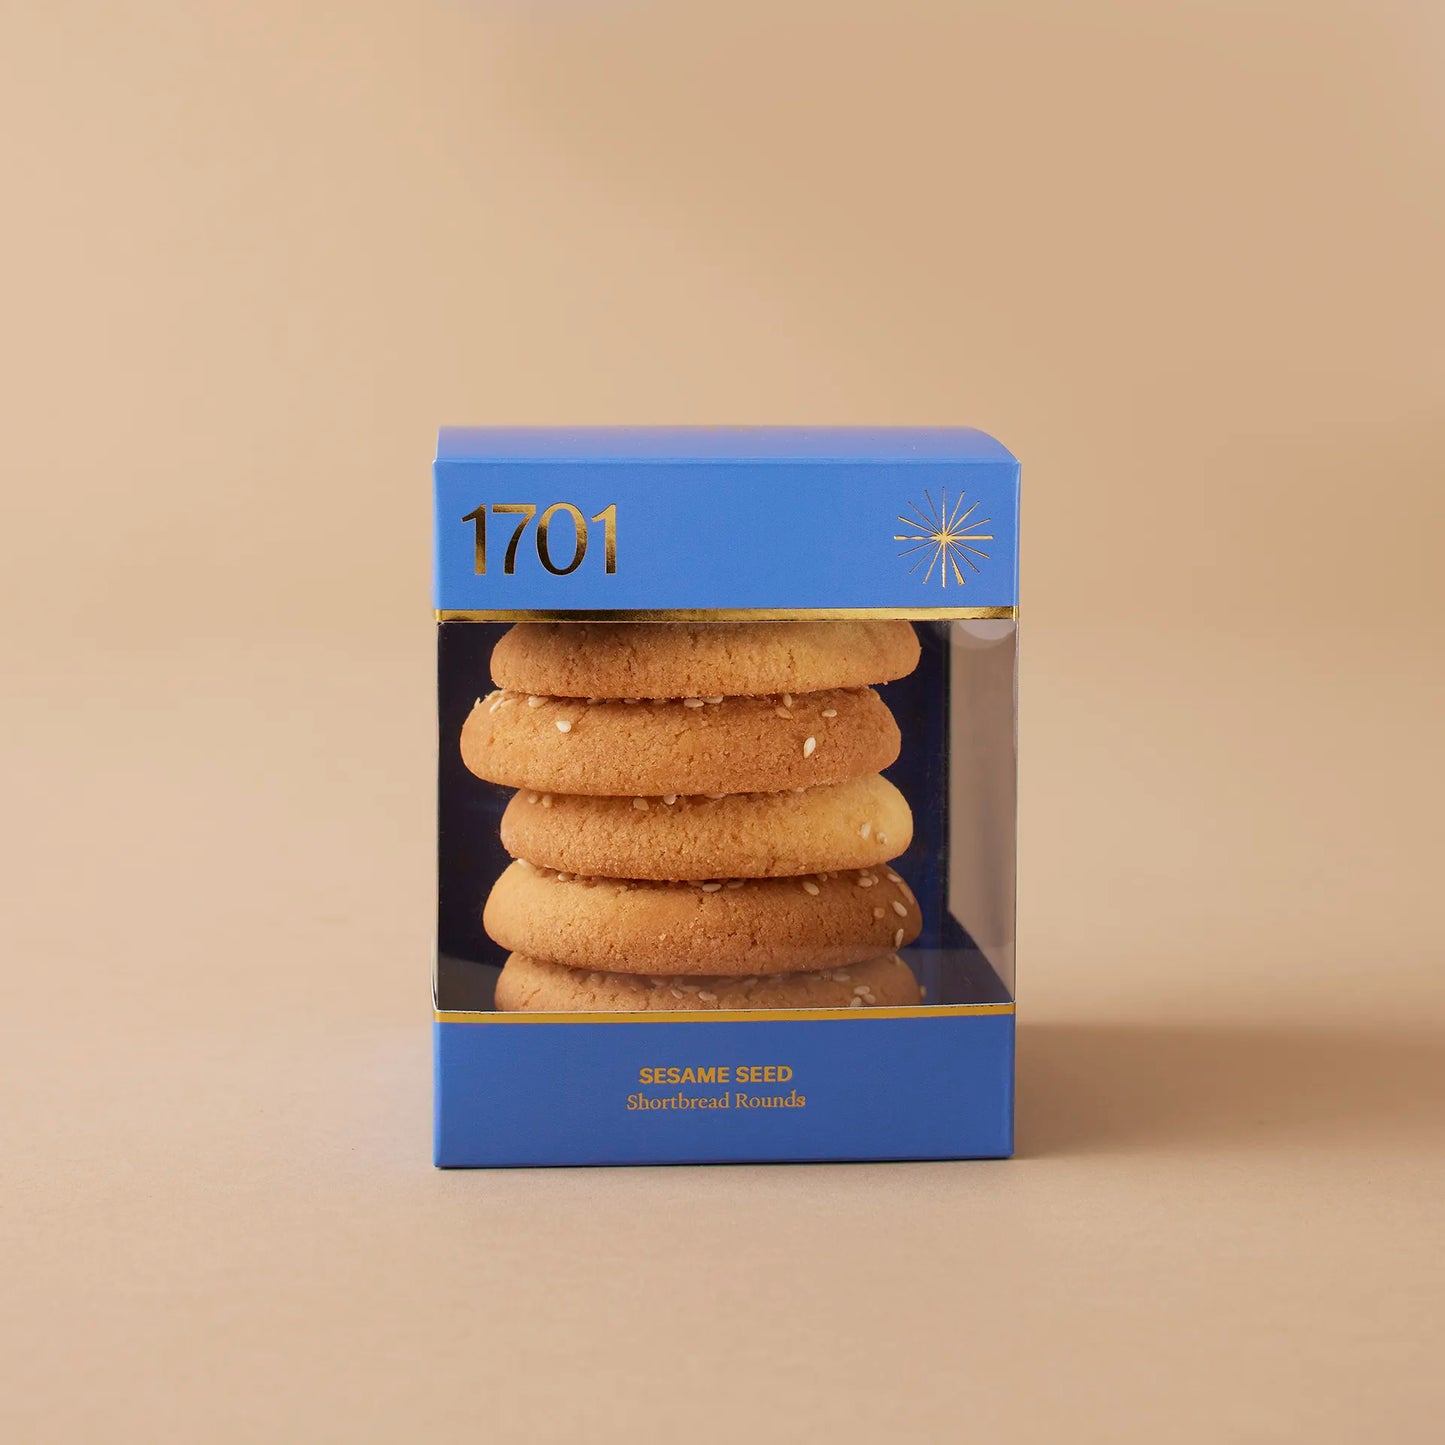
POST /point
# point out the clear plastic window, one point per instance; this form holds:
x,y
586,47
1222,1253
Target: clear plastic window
x,y
791,894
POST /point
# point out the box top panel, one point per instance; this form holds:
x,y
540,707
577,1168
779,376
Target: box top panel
x,y
705,443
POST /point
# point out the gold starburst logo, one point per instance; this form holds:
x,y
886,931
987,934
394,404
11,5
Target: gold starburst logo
x,y
944,539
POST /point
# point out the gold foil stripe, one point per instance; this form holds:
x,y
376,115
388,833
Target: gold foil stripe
x,y
908,1011
732,614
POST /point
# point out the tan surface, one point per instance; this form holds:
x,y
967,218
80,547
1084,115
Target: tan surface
x,y
1183,258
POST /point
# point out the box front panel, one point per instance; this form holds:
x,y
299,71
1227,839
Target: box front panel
x,y
699,536
648,1092
725,846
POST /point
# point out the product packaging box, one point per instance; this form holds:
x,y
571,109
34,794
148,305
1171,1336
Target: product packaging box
x,y
727,782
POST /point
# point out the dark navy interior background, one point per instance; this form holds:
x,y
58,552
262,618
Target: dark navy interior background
x,y
470,854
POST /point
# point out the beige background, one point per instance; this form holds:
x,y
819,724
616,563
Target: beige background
x,y
1185,259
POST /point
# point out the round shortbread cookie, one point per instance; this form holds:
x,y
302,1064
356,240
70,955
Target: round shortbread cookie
x,y
700,659
530,985
857,824
650,749
734,927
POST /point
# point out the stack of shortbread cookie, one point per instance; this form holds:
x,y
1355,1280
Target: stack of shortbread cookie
x,y
700,822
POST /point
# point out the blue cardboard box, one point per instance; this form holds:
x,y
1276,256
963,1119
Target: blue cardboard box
x,y
713,528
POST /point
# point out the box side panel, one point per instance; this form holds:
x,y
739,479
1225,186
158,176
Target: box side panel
x,y
517,1093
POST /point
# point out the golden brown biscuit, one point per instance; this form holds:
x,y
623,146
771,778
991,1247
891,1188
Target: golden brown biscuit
x,y
700,659
861,823
530,985
650,749
733,927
